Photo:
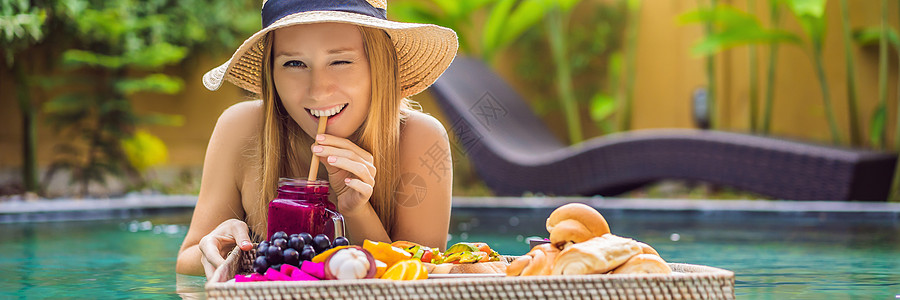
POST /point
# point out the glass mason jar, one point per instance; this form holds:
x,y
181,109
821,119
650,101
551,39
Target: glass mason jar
x,y
302,206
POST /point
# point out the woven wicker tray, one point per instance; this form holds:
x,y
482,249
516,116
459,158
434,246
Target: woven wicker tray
x,y
692,282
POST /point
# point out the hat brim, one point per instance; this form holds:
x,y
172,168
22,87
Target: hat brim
x,y
424,51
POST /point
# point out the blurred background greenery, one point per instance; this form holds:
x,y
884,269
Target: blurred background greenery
x,y
104,97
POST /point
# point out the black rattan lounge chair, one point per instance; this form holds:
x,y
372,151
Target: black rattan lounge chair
x,y
514,152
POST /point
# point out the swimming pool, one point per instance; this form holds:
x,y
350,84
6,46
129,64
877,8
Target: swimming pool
x,y
825,255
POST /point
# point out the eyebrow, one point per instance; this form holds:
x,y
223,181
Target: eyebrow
x,y
332,51
340,50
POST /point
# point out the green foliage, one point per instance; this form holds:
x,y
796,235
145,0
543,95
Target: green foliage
x,y
729,27
20,26
113,50
877,125
594,34
502,22
155,83
487,28
629,65
557,37
508,21
734,27
603,107
871,36
811,15
775,20
852,102
604,103
144,150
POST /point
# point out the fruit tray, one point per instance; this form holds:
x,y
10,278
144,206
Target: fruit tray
x,y
688,282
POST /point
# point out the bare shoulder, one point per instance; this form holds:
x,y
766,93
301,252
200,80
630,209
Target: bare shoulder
x,y
424,146
243,116
421,129
235,134
238,124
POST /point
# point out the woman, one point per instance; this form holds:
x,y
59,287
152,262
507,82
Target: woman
x,y
344,60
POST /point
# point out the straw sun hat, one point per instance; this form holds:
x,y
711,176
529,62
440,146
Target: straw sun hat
x,y
423,50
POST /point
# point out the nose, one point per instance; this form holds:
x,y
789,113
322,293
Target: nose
x,y
321,85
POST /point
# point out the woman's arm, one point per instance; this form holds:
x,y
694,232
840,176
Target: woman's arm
x,y
426,170
351,173
220,198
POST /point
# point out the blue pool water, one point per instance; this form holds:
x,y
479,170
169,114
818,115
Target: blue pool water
x,y
774,255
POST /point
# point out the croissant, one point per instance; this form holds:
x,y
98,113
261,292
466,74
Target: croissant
x,y
646,249
538,261
644,264
597,255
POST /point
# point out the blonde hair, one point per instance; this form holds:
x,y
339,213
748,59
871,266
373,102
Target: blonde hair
x,y
284,147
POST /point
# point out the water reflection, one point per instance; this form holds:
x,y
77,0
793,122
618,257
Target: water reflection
x,y
794,256
95,260
190,287
774,256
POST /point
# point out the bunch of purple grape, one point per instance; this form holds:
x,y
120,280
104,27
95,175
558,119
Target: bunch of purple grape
x,y
292,250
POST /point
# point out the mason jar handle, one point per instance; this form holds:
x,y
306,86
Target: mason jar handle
x,y
338,220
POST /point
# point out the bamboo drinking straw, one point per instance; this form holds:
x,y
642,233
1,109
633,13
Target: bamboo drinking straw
x,y
314,164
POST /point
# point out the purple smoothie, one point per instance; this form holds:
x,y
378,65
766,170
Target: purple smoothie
x,y
303,206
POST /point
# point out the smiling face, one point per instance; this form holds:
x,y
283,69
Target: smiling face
x,y
322,69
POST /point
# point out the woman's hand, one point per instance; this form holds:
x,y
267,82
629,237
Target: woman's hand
x,y
216,245
351,170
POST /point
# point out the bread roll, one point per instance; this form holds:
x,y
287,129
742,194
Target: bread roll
x,y
575,223
569,231
644,264
597,255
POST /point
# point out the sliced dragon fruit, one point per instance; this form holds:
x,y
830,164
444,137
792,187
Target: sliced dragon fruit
x,y
299,275
315,269
250,278
287,269
274,275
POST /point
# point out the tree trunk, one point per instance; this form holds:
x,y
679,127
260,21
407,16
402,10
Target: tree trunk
x,y
29,132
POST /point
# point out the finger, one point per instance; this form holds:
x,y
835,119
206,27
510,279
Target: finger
x,y
358,185
208,268
242,236
210,251
354,167
339,142
324,152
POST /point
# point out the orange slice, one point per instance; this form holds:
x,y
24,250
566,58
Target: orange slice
x,y
321,257
396,272
380,268
410,269
417,271
404,244
390,255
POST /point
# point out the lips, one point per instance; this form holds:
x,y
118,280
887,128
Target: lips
x,y
332,112
326,111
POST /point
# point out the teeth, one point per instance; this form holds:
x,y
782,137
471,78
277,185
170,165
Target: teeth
x,y
328,112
